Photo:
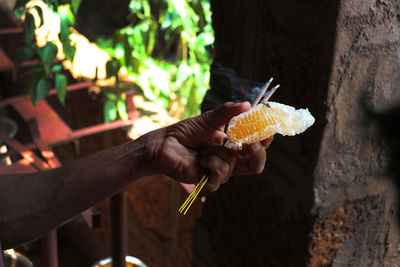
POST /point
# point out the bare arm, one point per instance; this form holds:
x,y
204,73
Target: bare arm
x,y
33,204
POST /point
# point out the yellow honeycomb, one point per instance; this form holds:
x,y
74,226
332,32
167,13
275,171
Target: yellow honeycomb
x,y
263,121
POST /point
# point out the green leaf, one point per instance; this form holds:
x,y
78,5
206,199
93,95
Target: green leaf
x,y
111,96
19,13
22,54
159,77
136,64
40,13
187,87
112,67
66,15
36,70
42,88
122,109
146,8
192,105
152,35
166,22
33,81
61,87
205,39
56,68
135,6
29,29
75,5
105,44
143,80
19,8
184,71
64,35
119,51
128,51
110,111
48,54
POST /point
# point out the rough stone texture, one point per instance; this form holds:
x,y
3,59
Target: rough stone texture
x,y
352,160
326,55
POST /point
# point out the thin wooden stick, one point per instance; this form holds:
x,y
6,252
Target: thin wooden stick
x,y
195,196
260,95
190,197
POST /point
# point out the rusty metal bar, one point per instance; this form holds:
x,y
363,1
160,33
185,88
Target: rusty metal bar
x,y
101,128
70,88
75,86
28,155
49,249
11,30
130,105
44,149
119,233
88,131
5,62
92,218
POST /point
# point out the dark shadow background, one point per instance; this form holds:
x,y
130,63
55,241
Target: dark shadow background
x,y
265,220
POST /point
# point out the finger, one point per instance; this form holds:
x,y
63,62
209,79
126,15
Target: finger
x,y
220,161
221,116
219,171
258,157
253,162
267,142
221,151
245,149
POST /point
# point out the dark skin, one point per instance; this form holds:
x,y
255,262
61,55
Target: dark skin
x,y
33,204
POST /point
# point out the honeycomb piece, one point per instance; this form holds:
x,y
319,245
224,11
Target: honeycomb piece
x,y
263,121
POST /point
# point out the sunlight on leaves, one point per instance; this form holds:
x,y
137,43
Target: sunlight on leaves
x,y
167,49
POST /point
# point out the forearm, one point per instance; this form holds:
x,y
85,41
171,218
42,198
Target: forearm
x,y
31,205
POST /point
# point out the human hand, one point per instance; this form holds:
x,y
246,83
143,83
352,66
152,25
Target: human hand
x,y
187,150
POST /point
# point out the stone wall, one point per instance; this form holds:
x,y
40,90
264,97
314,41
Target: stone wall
x,y
352,163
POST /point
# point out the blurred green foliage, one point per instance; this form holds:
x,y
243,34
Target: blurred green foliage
x,y
47,73
166,47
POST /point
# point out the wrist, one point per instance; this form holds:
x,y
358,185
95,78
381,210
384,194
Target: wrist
x,y
149,147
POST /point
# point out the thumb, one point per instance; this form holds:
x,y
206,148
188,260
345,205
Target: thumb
x,y
223,114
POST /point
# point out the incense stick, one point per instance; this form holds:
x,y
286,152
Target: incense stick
x,y
270,93
260,95
190,199
196,193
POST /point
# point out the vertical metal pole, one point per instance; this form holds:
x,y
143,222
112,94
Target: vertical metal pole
x,y
130,105
1,257
49,249
118,230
